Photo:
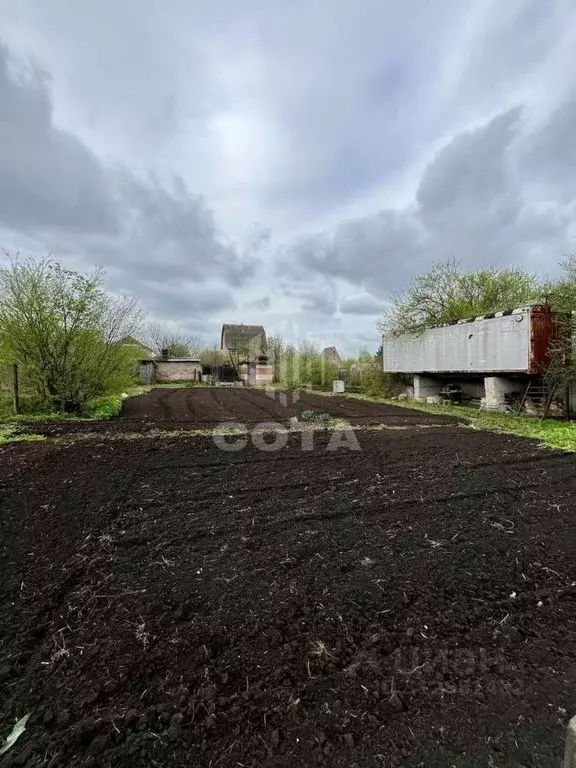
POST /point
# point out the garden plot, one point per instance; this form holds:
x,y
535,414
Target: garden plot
x,y
203,408
411,603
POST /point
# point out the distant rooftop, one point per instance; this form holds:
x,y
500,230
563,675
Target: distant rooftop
x,y
331,354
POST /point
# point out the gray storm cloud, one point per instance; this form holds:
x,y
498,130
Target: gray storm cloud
x,y
471,201
55,189
365,142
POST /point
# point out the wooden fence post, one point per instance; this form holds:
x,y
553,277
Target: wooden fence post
x,y
15,388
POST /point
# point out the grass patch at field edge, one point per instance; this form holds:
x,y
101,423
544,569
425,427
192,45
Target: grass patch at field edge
x,y
11,435
559,435
109,406
105,407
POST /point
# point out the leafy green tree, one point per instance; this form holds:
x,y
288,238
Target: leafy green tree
x,y
446,293
289,373
63,329
304,366
365,356
561,294
276,347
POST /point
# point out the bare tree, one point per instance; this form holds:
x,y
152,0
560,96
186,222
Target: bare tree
x,y
213,356
176,343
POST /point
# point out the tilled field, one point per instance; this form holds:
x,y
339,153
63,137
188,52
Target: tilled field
x,y
200,408
210,405
168,603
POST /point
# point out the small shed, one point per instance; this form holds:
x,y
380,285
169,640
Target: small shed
x,y
170,369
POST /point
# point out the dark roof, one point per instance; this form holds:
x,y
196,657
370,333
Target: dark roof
x,y
243,336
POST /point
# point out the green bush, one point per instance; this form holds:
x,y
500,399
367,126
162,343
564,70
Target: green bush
x,y
315,417
373,383
376,383
104,407
29,404
64,331
305,367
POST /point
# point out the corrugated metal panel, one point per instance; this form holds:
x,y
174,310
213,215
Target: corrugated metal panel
x,y
499,344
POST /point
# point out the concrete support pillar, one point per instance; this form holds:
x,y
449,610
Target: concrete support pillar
x,y
570,753
496,388
425,387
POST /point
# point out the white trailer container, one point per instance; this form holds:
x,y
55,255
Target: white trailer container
x,y
513,342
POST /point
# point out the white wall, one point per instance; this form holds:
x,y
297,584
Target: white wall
x,y
177,370
499,344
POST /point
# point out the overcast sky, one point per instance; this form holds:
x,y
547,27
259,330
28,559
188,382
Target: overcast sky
x,y
290,164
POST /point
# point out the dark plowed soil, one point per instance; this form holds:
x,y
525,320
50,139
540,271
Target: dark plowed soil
x,y
205,407
168,603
